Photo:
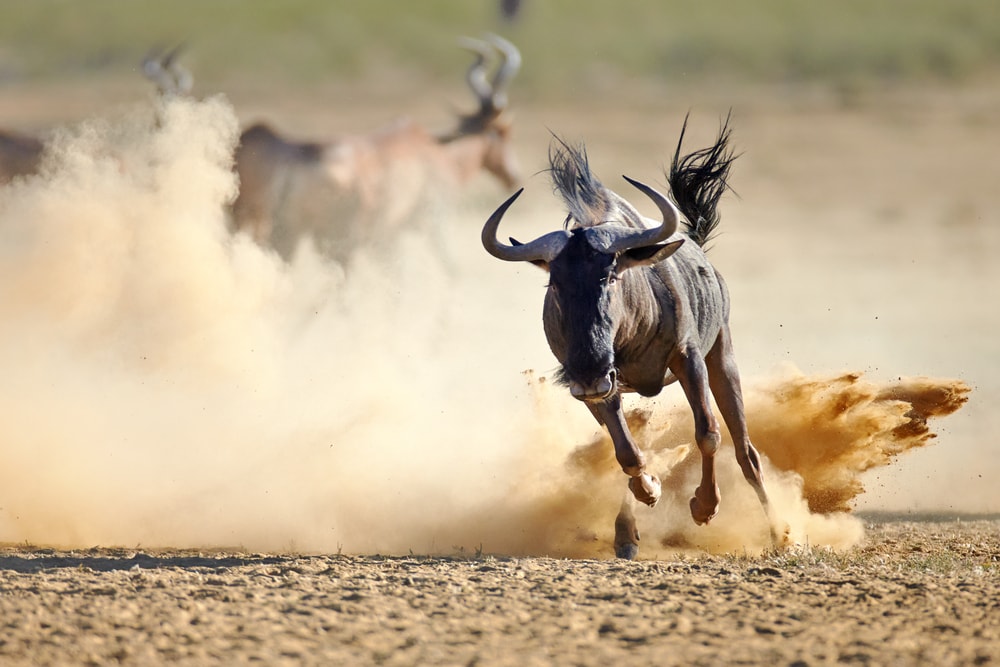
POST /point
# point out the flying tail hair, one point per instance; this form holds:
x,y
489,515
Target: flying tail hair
x,y
698,180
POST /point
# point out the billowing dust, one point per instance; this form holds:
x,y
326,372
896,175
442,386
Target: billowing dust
x,y
818,435
166,383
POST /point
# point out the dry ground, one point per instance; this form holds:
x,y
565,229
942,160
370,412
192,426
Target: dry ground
x,y
916,593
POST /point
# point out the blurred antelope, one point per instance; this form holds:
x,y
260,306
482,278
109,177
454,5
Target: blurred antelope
x,y
384,174
21,155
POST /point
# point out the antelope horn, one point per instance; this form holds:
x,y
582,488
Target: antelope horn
x,y
510,67
182,79
151,62
476,75
163,70
152,69
167,60
542,249
626,238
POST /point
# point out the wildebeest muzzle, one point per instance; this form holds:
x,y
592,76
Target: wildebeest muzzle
x,y
600,389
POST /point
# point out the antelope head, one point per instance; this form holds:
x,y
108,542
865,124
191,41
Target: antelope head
x,y
487,123
170,78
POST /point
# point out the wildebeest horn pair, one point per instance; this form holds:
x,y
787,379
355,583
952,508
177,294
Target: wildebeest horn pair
x,y
610,238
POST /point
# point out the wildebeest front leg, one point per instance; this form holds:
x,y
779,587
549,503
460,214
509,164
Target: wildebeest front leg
x,y
689,369
645,487
626,532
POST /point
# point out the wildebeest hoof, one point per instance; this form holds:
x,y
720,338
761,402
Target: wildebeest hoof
x,y
704,510
645,488
627,550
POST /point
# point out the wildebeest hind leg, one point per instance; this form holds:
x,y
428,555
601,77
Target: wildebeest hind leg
x,y
724,379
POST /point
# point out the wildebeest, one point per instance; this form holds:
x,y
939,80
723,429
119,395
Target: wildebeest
x,y
383,174
633,305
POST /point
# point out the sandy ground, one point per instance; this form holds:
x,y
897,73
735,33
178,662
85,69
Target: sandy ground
x,y
863,241
913,594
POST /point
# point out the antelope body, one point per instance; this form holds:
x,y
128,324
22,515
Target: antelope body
x,y
633,305
375,180
20,155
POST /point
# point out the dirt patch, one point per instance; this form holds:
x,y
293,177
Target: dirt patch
x,y
913,593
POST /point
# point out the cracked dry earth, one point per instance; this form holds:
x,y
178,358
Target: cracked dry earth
x,y
915,593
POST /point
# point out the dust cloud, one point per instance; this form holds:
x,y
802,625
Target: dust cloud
x,y
818,435
169,384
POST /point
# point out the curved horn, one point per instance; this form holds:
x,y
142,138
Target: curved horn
x,y
167,59
163,70
183,81
510,66
542,249
476,74
153,70
669,212
630,238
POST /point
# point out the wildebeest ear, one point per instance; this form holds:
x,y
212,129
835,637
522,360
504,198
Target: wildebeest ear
x,y
647,255
538,262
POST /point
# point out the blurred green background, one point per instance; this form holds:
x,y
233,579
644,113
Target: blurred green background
x,y
573,46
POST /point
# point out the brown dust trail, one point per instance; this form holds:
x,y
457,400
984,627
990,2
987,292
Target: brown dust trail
x,y
818,435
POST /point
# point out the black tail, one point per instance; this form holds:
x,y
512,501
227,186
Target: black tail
x,y
697,182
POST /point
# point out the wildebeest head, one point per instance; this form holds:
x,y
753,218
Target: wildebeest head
x,y
593,289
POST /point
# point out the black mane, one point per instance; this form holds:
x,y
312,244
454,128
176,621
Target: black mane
x,y
585,195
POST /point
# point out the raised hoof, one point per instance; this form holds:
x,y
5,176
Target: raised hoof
x,y
700,515
627,551
645,488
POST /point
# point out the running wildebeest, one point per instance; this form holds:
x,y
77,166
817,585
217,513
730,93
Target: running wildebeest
x,y
633,305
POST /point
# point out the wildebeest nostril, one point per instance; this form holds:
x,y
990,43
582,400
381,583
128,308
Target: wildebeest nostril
x,y
608,383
